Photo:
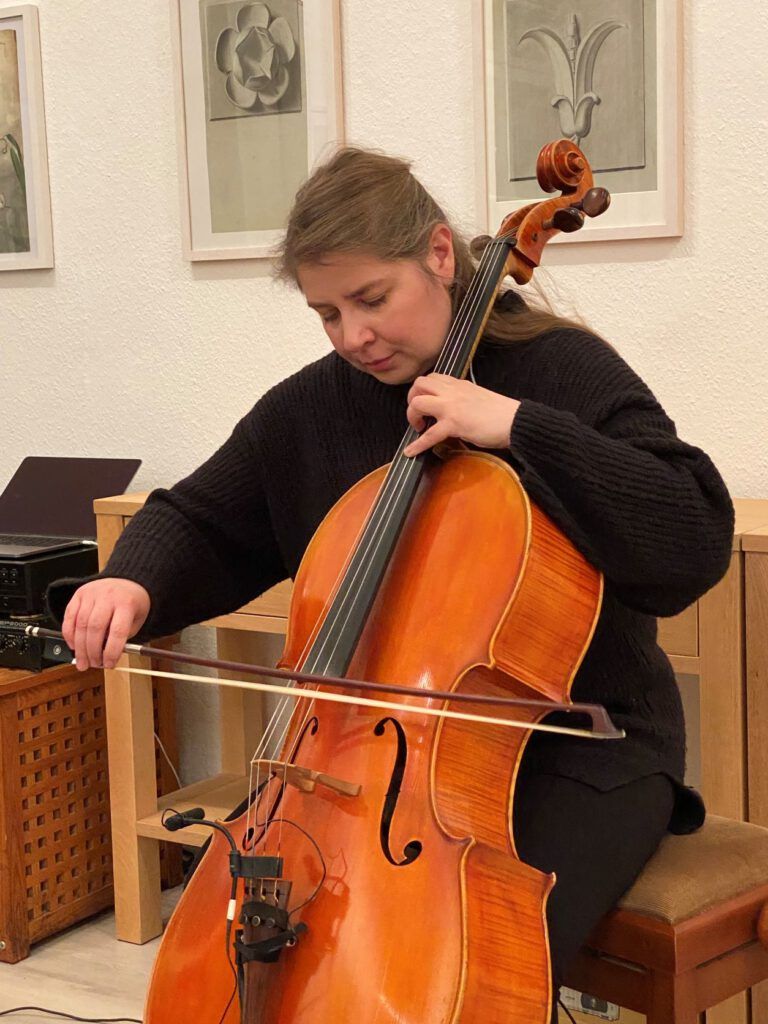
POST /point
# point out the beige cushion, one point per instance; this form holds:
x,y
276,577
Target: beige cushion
x,y
690,874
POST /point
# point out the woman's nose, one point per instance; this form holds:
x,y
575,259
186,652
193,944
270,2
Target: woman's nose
x,y
357,334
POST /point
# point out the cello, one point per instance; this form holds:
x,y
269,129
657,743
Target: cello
x,y
373,875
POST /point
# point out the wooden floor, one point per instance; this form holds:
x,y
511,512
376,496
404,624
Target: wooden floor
x,y
83,971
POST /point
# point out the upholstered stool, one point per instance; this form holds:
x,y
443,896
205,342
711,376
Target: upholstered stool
x,y
691,932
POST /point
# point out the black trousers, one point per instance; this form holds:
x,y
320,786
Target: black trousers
x,y
596,842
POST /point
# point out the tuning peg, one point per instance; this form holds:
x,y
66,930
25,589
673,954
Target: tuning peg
x,y
478,245
568,220
596,201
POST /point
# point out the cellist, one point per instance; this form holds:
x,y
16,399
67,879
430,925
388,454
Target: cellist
x,y
377,258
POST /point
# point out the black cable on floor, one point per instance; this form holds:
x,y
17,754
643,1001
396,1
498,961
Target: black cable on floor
x,y
570,1015
71,1016
133,1020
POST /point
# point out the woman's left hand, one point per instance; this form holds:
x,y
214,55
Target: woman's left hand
x,y
461,409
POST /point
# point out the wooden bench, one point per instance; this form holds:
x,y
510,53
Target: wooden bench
x,y
691,932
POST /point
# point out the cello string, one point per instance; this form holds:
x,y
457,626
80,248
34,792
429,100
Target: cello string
x,y
377,524
391,484
451,359
375,528
389,489
471,304
267,738
389,493
285,702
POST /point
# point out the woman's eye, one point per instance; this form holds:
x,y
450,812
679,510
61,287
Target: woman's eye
x,y
373,303
329,318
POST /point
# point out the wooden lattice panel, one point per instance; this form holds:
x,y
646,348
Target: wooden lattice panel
x,y
63,786
55,829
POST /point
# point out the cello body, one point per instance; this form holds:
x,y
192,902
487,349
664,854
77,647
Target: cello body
x,y
417,908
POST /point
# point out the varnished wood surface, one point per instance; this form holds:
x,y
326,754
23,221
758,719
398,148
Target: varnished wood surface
x,y
53,802
14,680
756,597
465,885
133,787
704,963
751,515
722,696
219,795
120,504
680,633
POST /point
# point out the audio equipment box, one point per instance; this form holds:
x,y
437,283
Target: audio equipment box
x,y
17,650
23,581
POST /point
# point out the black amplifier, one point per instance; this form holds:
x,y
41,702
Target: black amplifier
x,y
17,650
23,581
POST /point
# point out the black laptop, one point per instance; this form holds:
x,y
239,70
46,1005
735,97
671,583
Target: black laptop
x,y
48,504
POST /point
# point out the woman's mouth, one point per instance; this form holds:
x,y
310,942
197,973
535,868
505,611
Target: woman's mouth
x,y
379,364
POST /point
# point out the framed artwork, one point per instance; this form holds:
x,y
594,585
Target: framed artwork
x,y
606,74
260,99
26,233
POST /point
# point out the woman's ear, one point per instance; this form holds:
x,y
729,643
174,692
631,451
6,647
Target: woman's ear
x,y
440,257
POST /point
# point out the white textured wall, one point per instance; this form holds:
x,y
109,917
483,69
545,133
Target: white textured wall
x,y
141,354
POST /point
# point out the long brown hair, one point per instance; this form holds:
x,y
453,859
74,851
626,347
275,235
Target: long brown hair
x,y
364,200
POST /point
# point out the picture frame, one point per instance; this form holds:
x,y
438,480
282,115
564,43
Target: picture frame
x,y
606,73
259,100
26,229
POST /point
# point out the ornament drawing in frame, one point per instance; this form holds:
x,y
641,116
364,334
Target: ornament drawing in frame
x,y
260,87
257,68
26,234
603,73
572,61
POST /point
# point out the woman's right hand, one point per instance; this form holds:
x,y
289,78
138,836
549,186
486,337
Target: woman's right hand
x,y
101,617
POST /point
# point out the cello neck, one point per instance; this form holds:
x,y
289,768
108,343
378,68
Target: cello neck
x,y
336,640
515,250
468,325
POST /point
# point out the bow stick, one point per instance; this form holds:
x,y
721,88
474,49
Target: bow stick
x,y
602,726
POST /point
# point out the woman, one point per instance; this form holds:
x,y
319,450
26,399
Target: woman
x,y
376,257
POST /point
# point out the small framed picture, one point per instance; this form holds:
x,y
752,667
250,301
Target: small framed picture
x,y
260,99
26,232
606,74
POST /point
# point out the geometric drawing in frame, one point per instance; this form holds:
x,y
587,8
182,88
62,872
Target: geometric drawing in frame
x,y
252,58
260,103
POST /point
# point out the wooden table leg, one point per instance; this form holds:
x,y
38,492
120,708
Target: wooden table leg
x,y
673,999
722,695
756,591
241,712
133,794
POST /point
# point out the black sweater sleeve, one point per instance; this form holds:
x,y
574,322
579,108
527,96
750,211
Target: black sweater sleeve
x,y
201,548
648,510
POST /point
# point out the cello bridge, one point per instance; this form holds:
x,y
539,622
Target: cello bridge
x,y
306,780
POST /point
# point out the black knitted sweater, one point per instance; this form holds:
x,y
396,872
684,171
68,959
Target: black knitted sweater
x,y
594,450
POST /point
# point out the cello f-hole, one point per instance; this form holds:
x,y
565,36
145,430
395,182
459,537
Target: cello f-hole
x,y
412,849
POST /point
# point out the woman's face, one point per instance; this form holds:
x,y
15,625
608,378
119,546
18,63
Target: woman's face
x,y
389,319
